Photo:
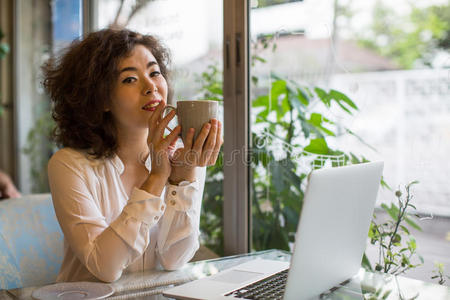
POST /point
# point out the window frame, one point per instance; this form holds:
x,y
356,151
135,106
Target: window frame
x,y
236,210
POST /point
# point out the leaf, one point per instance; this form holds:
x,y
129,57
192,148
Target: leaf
x,y
317,146
365,263
390,211
255,80
412,223
277,178
412,243
397,239
302,96
215,90
4,48
285,105
323,96
386,294
412,183
261,101
409,204
338,96
316,119
360,139
259,58
405,260
404,229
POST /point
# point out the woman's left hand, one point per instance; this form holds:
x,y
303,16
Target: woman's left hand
x,y
203,152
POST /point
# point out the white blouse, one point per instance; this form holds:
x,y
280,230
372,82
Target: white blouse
x,y
106,232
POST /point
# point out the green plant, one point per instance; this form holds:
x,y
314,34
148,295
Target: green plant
x,y
39,148
285,112
439,273
4,49
291,127
397,247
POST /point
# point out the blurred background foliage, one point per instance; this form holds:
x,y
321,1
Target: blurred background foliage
x,y
4,49
410,40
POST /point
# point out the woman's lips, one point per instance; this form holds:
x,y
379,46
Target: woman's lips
x,y
151,106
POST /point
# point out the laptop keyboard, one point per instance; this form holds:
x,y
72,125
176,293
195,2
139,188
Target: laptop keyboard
x,y
268,288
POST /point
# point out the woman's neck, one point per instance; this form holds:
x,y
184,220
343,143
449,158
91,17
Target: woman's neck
x,y
132,147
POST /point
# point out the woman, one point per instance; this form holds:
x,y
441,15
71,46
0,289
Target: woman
x,y
124,200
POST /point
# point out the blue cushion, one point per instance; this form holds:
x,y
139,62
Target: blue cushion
x,y
9,271
34,239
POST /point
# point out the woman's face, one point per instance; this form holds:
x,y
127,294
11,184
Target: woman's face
x,y
138,90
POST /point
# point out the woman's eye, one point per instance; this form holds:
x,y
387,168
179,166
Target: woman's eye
x,y
154,73
129,80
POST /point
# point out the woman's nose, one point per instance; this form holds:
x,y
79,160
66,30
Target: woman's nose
x,y
149,87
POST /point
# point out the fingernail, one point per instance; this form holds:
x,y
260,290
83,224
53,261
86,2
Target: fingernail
x,y
208,126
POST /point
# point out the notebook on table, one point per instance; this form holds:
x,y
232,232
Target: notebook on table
x,y
329,243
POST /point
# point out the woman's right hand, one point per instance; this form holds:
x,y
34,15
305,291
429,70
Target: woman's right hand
x,y
159,145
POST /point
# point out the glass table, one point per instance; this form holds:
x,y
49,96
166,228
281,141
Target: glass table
x,y
364,285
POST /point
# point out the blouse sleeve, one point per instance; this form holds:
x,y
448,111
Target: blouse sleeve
x,y
105,250
178,234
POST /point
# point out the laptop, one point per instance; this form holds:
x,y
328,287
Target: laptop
x,y
329,243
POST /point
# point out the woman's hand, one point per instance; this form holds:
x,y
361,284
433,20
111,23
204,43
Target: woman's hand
x,y
203,152
159,149
7,188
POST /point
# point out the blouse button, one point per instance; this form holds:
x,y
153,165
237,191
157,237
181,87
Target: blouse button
x,y
162,207
172,202
174,193
156,218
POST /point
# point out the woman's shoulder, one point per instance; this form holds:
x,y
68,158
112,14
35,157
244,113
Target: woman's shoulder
x,y
74,158
68,154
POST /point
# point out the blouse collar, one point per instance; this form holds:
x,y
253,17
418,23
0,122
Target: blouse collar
x,y
118,164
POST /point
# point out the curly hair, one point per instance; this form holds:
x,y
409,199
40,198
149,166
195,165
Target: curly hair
x,y
80,83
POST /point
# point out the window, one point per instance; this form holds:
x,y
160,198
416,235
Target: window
x,y
37,39
339,81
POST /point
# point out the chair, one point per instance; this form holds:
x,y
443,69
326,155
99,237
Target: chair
x,y
31,242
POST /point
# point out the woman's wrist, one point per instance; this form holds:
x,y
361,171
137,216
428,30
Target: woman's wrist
x,y
181,174
154,184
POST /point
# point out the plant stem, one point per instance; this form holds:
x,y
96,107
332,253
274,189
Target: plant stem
x,y
401,212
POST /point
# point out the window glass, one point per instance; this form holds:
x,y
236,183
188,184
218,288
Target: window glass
x,y
37,39
339,82
193,31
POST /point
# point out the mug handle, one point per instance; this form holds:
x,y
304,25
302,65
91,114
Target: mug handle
x,y
165,111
